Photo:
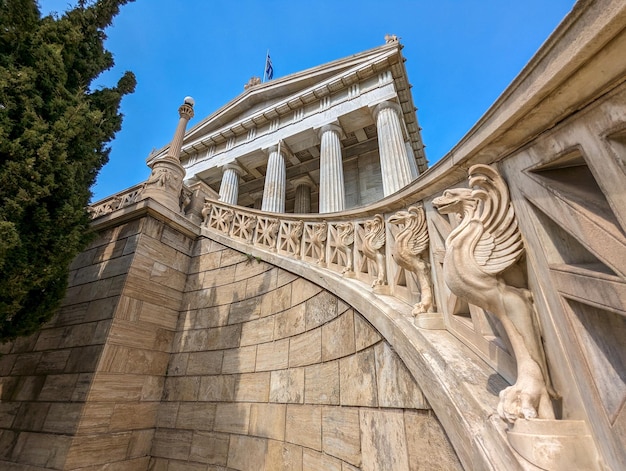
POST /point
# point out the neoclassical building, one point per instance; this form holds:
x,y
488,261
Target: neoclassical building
x,y
294,288
335,137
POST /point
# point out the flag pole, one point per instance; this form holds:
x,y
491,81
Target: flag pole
x,y
265,66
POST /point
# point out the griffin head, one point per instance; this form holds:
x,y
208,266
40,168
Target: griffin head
x,y
414,214
401,217
455,200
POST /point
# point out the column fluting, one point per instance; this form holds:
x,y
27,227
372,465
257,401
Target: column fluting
x,y
229,188
275,182
395,167
331,196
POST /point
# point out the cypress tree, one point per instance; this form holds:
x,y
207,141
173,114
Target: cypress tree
x,y
54,131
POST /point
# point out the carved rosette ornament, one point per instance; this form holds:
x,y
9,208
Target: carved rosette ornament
x,y
166,180
478,251
411,252
373,248
318,240
345,241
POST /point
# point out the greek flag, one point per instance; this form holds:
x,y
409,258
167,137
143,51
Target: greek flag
x,y
269,69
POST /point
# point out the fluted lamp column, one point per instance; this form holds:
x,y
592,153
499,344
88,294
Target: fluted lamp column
x,y
166,180
395,167
229,188
302,200
275,181
331,197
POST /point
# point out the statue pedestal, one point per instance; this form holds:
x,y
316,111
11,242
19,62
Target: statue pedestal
x,y
429,320
165,183
555,445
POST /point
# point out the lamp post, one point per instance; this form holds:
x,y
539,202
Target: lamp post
x,y
166,180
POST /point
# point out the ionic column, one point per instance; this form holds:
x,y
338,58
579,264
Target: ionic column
x,y
332,196
395,167
302,202
229,188
275,181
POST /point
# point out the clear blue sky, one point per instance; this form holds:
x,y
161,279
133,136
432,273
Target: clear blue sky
x,y
461,55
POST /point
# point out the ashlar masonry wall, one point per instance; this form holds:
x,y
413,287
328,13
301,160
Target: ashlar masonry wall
x,y
270,372
172,352
83,392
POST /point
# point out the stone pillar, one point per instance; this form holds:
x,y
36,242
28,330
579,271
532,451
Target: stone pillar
x,y
302,202
332,196
257,197
412,162
395,167
229,188
275,181
166,180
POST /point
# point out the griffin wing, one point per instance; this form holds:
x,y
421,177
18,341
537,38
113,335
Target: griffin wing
x,y
500,244
346,234
419,238
376,237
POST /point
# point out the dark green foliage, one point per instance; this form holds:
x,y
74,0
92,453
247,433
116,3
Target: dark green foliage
x,y
53,136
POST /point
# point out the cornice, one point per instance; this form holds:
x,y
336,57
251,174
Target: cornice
x,y
383,57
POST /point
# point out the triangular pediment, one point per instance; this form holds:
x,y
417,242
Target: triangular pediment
x,y
279,97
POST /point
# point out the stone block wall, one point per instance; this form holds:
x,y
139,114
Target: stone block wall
x,y
269,371
173,352
83,392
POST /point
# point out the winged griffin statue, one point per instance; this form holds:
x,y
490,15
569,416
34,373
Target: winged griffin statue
x,y
478,251
411,252
373,247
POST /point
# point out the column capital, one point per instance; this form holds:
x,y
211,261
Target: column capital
x,y
233,166
303,180
284,149
186,111
332,126
376,109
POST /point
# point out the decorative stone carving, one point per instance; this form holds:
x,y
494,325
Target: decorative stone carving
x,y
119,201
373,248
206,211
295,237
391,38
318,240
185,200
248,226
345,240
252,82
267,232
243,226
221,218
162,177
482,247
411,252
